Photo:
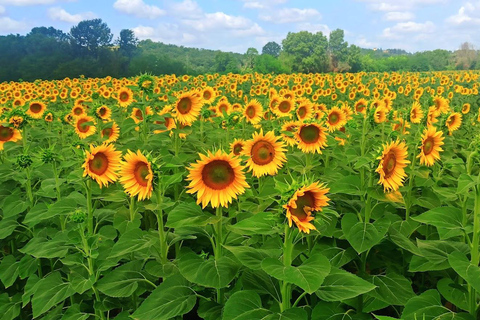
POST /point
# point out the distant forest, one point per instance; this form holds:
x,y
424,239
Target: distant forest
x,y
90,50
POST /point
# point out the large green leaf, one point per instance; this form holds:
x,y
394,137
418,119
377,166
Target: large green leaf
x,y
49,292
363,236
453,292
349,185
250,257
131,241
41,247
340,285
309,275
122,281
471,273
392,288
429,306
244,305
170,299
262,283
447,220
8,270
189,215
10,306
209,273
434,254
260,223
7,226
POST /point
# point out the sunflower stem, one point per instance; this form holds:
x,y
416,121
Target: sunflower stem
x,y
219,248
287,262
161,228
408,202
88,188
131,207
475,257
28,185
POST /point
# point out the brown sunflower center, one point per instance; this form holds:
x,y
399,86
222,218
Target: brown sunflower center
x,y
35,107
304,204
237,149
141,172
302,112
223,108
333,118
250,111
263,152
103,111
6,133
218,174
184,105
77,111
107,132
284,106
99,163
124,96
138,114
310,134
83,125
360,108
389,164
207,95
428,146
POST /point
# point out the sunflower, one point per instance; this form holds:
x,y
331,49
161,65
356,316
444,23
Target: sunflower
x,y
208,95
380,114
111,133
137,114
36,109
101,164
253,112
303,202
311,137
8,134
78,110
392,163
336,119
236,146
466,108
441,104
453,122
265,154
290,126
361,106
187,107
416,113
49,117
84,126
432,116
124,97
168,122
284,107
136,175
304,110
223,107
217,178
432,140
104,112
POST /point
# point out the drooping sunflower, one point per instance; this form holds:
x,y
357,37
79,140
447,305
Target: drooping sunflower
x,y
453,122
265,153
336,119
8,134
466,108
416,113
291,127
392,163
102,163
303,202
432,116
432,140
137,114
187,107
236,146
441,104
253,111
380,114
136,175
124,97
361,106
36,109
168,122
84,126
111,133
217,179
311,137
104,112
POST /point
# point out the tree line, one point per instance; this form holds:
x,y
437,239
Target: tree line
x,y
90,50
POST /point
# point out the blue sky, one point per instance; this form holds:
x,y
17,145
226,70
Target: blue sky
x,y
235,25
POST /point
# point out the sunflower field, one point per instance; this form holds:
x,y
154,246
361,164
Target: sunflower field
x,y
255,196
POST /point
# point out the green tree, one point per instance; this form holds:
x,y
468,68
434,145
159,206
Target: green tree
x,y
338,50
127,42
226,62
266,63
353,58
308,51
272,48
91,34
249,60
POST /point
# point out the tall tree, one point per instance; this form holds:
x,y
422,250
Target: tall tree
x,y
338,50
50,32
128,42
91,34
466,56
307,50
272,48
250,57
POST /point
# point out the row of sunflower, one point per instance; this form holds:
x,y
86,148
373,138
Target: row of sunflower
x,y
304,196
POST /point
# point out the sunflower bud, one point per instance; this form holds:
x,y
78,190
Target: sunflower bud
x,y
47,156
78,216
24,161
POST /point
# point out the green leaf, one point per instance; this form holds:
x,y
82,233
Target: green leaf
x,y
40,247
392,288
363,236
400,233
340,285
447,220
262,283
338,256
262,223
157,269
244,305
13,206
74,313
7,226
27,266
465,183
465,269
10,306
429,306
349,185
209,310
309,275
250,257
289,314
131,241
170,299
8,270
434,254
330,311
208,273
123,281
49,292
189,215
81,282
453,292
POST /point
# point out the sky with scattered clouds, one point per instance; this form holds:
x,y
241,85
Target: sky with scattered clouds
x,y
235,25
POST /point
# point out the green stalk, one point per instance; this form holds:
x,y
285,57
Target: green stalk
x,y
408,202
286,290
28,186
57,187
475,257
161,228
131,207
219,248
88,188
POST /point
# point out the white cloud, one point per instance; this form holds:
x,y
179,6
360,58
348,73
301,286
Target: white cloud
x,y
138,8
219,21
314,28
165,32
468,15
289,15
2,10
27,2
8,25
362,42
401,29
57,13
263,4
398,16
188,9
396,5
